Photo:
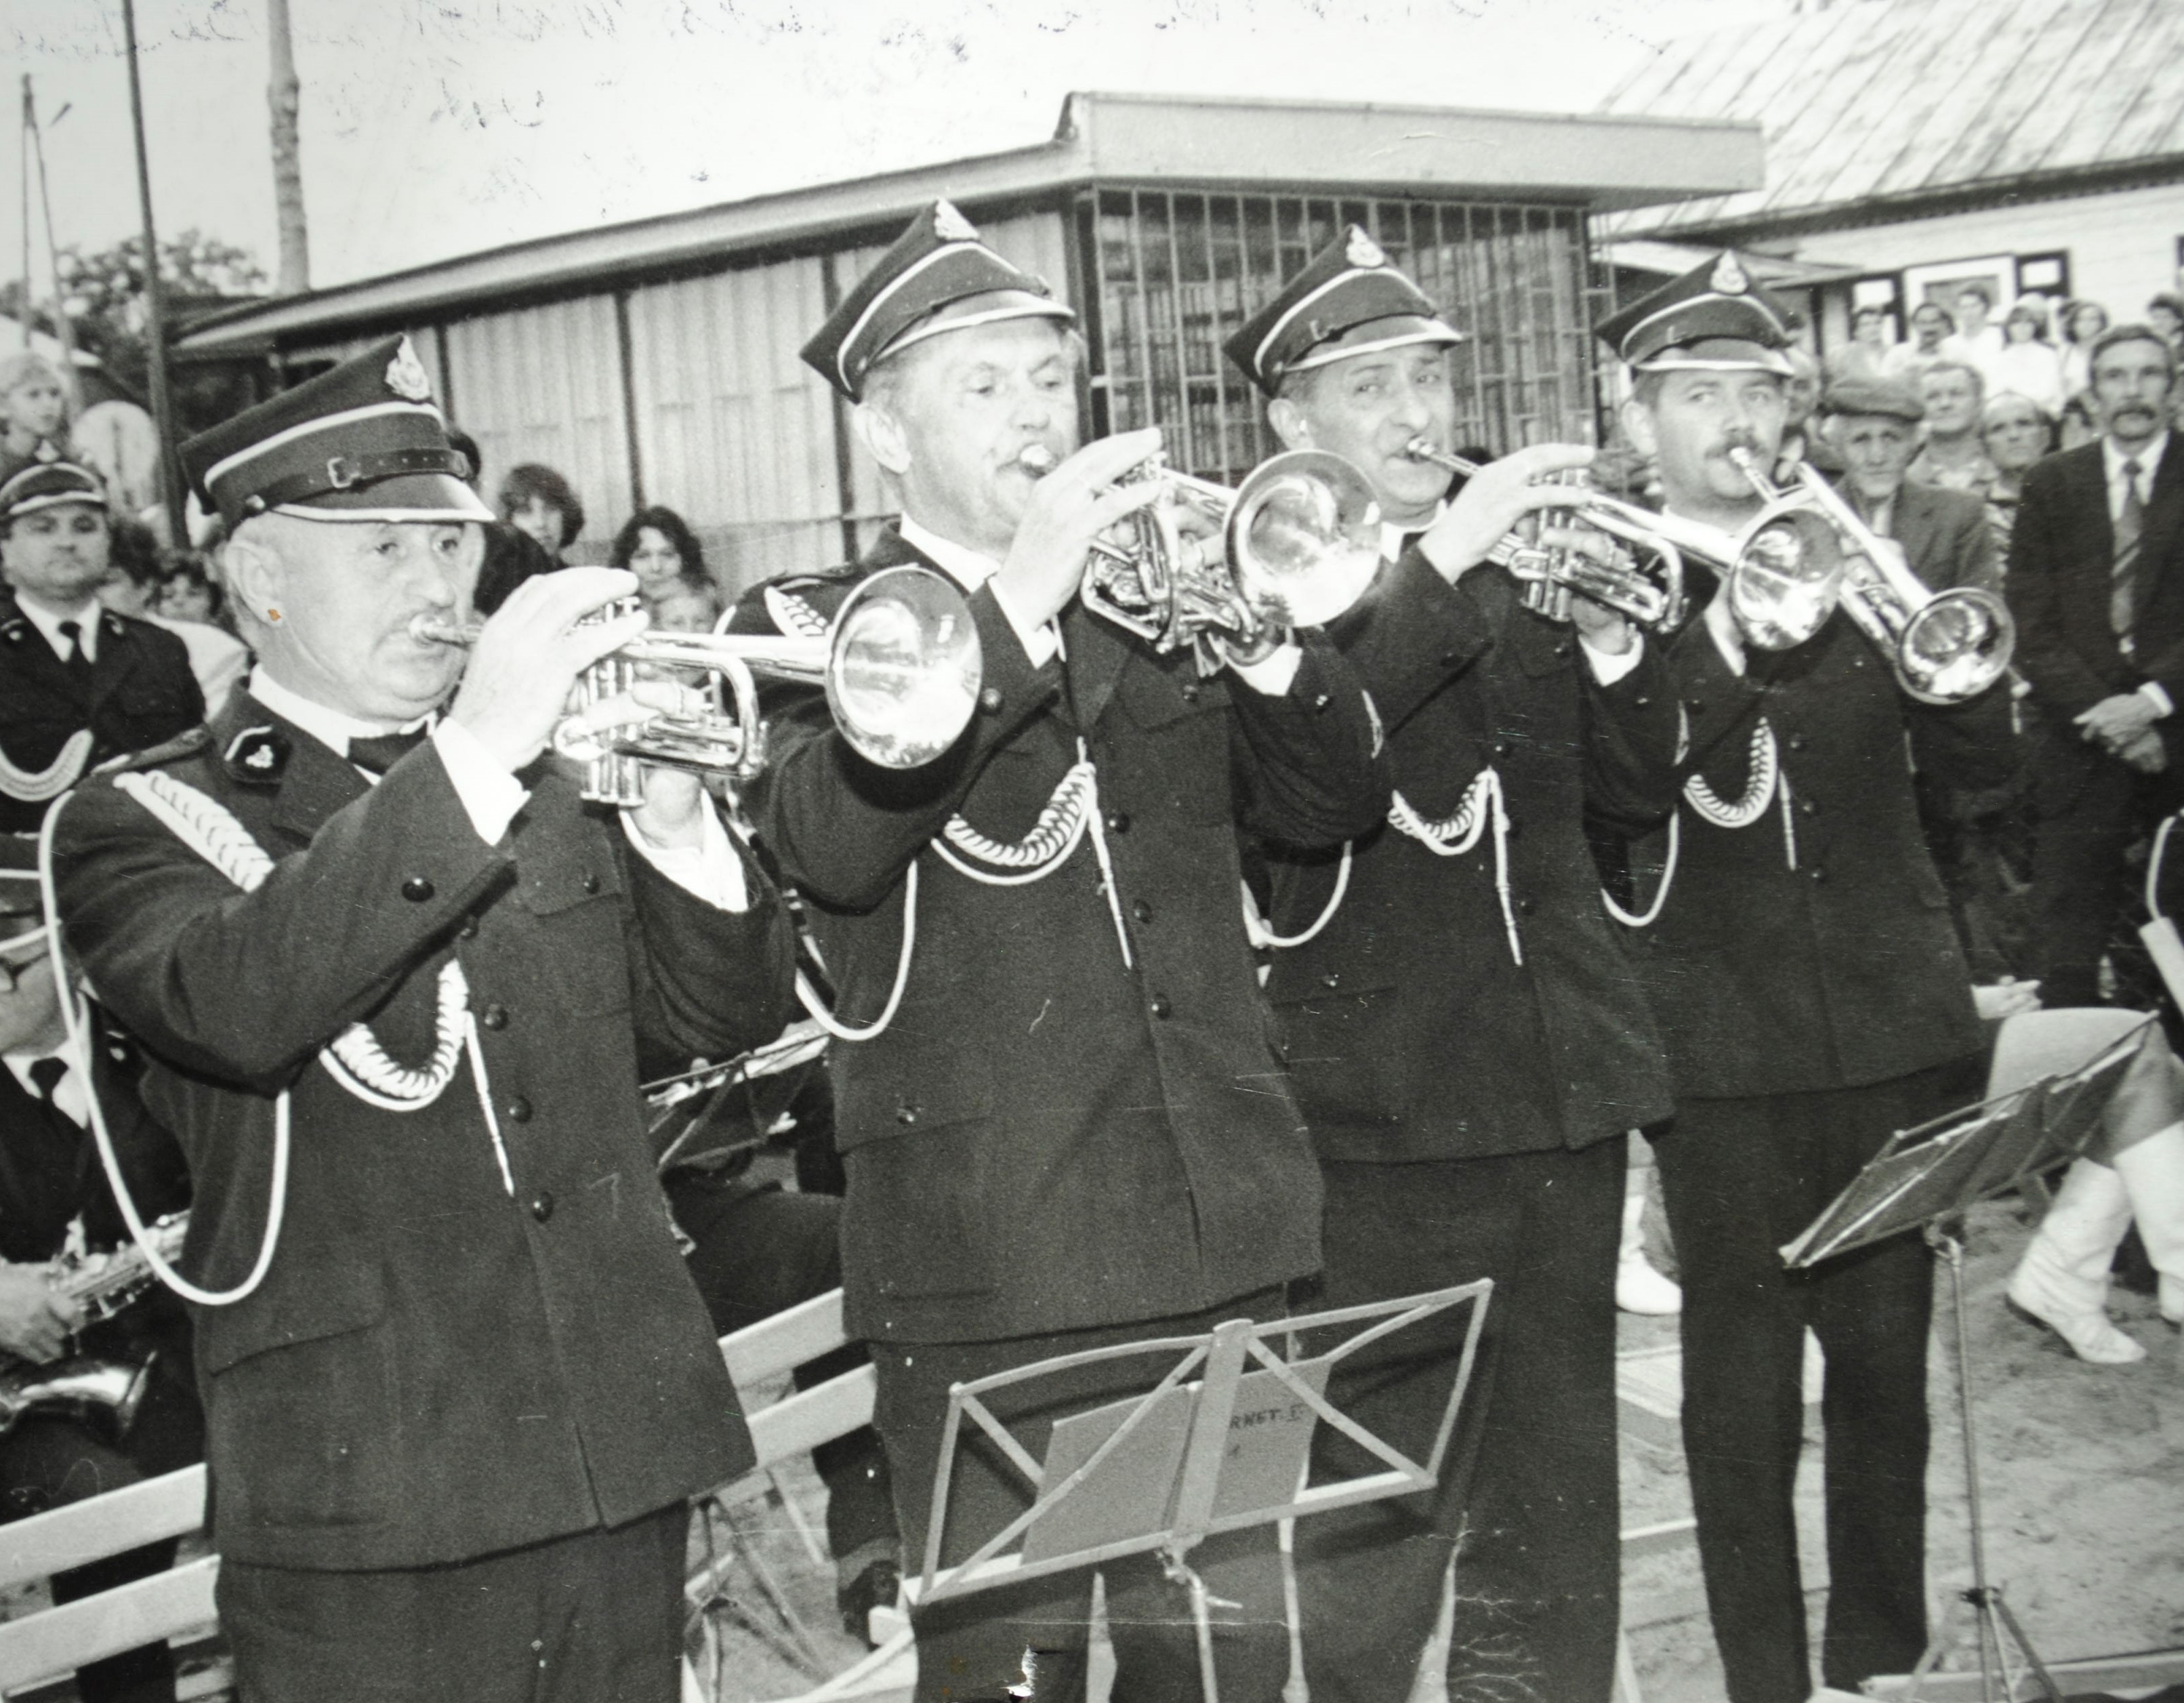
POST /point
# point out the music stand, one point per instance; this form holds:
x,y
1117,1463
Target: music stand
x,y
1929,1174
1213,1447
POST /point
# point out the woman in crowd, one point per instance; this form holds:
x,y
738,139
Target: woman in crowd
x,y
2016,433
189,592
2082,322
537,501
1865,356
657,545
34,413
2027,362
218,659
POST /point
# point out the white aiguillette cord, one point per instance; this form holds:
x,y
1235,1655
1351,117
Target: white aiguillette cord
x,y
1767,783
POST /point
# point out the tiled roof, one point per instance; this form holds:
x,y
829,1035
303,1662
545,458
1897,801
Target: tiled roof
x,y
1897,102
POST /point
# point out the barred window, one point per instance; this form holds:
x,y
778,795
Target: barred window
x,y
1177,272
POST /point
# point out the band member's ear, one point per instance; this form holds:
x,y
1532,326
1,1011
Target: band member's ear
x,y
1290,424
878,430
1638,423
255,576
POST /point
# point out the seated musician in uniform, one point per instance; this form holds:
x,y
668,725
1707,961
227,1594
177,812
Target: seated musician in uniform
x,y
393,975
54,1201
1072,1133
79,684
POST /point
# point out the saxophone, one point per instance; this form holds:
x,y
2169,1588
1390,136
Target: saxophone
x,y
90,1386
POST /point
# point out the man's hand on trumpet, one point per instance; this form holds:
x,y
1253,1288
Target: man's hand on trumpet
x,y
673,813
527,658
1068,509
1492,502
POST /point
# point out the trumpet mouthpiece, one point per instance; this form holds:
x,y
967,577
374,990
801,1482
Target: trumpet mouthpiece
x,y
440,629
1037,459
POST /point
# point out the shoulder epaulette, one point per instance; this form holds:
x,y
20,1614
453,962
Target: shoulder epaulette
x,y
198,739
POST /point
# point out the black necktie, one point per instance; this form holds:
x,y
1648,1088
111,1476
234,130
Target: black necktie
x,y
47,1073
376,756
77,664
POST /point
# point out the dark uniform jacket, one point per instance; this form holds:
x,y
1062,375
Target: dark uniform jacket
x,y
1043,1139
440,1364
1947,538
1845,970
2062,562
1412,1031
142,693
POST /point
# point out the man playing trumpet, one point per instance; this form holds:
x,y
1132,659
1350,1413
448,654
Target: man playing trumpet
x,y
1069,1129
1468,1042
1809,987
364,931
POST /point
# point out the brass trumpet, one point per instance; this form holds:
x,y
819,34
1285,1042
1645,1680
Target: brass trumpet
x,y
901,663
1784,567
1946,646
1301,541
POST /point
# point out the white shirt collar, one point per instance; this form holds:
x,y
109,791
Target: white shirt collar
x,y
68,1094
86,620
2149,459
1392,536
330,728
967,567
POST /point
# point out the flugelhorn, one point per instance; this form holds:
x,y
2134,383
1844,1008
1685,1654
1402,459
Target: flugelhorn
x,y
901,663
1945,646
1784,567
1301,541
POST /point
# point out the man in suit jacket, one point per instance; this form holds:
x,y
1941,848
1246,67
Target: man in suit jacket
x,y
1469,1043
78,683
453,1429
1808,984
1072,1130
54,1199
2096,584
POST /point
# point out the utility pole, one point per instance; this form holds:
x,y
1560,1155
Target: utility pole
x,y
35,137
284,94
155,306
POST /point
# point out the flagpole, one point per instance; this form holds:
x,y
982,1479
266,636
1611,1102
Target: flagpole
x,y
155,312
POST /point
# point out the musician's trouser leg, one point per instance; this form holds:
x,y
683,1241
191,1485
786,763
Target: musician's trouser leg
x,y
759,1254
1742,1178
1529,1484
47,1462
972,1650
596,1618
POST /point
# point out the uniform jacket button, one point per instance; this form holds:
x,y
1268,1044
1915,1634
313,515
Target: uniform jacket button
x,y
417,890
590,882
1820,875
1159,1007
518,1109
542,1204
1142,911
905,1114
1190,693
990,699
469,930
1118,821
1797,742
1809,807
1332,979
494,1017
1525,907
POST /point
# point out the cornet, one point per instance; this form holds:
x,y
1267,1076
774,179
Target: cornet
x,y
1784,567
1301,541
1946,646
900,664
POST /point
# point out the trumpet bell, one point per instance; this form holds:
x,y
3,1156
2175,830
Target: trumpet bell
x,y
1956,646
904,668
1304,536
1785,577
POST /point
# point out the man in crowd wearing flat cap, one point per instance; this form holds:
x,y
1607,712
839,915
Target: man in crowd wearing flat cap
x,y
1469,1043
371,937
78,683
1810,989
1944,534
1072,1132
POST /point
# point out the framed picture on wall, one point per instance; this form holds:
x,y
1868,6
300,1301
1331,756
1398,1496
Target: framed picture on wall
x,y
1944,284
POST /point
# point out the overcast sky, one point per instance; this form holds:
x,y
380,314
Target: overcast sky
x,y
437,127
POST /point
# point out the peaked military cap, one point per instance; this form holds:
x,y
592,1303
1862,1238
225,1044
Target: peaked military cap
x,y
365,441
939,276
1890,397
1349,300
46,485
1714,303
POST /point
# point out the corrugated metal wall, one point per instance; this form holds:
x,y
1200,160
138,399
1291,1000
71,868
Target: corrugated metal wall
x,y
544,384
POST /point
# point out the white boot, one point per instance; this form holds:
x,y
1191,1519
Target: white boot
x,y
1639,1289
2062,1278
2153,1173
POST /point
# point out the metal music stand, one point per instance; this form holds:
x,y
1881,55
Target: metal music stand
x,y
1222,1442
1927,1177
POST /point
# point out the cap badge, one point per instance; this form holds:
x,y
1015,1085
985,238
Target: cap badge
x,y
951,226
406,375
1363,251
1728,277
